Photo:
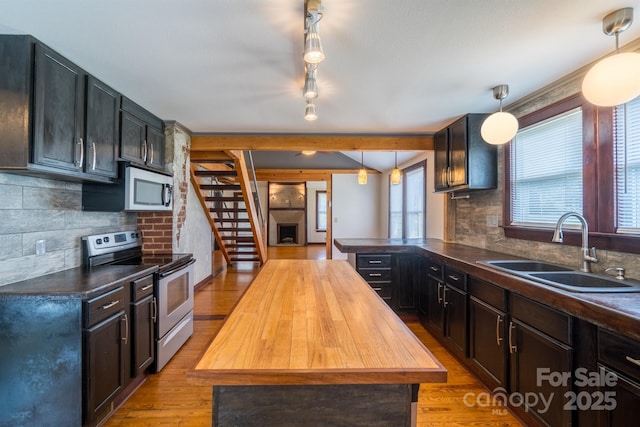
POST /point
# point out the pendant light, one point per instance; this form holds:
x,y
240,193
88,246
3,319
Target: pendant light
x,y
310,89
396,176
313,52
310,111
500,127
615,79
362,173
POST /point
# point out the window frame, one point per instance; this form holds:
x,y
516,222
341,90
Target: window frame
x,y
597,178
421,164
318,229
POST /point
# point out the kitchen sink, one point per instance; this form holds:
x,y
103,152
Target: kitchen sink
x,y
563,277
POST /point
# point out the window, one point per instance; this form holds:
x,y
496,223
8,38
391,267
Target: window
x,y
407,204
321,211
573,156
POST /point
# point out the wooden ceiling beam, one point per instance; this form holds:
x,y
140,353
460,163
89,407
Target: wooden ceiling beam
x,y
284,142
300,175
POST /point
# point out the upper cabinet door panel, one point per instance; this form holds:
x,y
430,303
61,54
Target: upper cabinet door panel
x,y
132,139
102,128
458,152
58,116
155,145
441,165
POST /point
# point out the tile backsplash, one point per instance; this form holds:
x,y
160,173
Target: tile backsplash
x,y
34,209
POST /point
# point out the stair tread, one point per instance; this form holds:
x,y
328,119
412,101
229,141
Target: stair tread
x,y
213,187
230,172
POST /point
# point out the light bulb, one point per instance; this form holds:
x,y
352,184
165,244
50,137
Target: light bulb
x,y
499,128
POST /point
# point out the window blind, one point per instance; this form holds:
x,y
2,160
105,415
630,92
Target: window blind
x,y
395,210
415,203
546,170
626,136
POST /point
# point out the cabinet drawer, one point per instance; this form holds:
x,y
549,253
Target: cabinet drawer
x,y
105,305
488,293
141,288
546,319
434,269
373,260
455,278
375,274
619,352
383,289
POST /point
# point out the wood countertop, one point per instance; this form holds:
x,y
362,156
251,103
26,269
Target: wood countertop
x,y
314,322
619,312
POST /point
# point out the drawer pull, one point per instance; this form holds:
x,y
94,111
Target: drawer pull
x,y
454,278
433,268
375,274
375,261
498,337
377,289
632,360
144,288
111,304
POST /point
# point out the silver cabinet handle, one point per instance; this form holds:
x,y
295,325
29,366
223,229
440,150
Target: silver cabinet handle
x,y
375,275
512,348
377,289
144,288
144,151
498,337
93,166
454,278
449,176
439,297
444,296
81,161
375,261
111,304
154,309
151,149
434,268
632,360
125,338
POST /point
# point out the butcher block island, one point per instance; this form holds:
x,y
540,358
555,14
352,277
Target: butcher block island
x,y
311,343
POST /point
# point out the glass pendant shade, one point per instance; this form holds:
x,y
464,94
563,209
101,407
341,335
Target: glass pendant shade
x,y
614,80
310,112
313,52
362,176
395,176
499,128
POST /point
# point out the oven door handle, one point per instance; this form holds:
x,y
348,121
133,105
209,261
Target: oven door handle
x,y
170,272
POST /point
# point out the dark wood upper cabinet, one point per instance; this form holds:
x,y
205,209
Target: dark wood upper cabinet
x,y
58,108
463,160
141,136
102,128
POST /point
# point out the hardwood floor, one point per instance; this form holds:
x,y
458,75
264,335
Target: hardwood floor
x,y
169,399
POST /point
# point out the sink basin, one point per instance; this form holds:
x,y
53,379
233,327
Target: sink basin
x,y
525,265
586,282
563,277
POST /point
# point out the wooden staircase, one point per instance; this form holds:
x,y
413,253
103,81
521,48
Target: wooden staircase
x,y
223,186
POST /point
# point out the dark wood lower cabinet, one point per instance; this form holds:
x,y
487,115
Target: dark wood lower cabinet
x,y
143,339
487,344
625,397
536,395
455,305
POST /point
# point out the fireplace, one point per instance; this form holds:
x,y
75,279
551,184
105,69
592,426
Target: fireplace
x,y
288,234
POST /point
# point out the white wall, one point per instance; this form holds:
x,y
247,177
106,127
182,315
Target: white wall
x,y
355,208
435,202
314,236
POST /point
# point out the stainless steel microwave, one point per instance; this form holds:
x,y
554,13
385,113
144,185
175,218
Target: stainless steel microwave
x,y
147,191
137,190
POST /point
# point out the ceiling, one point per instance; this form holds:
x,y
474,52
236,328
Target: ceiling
x,y
391,67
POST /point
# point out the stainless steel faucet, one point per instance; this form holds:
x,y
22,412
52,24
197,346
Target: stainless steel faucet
x,y
588,255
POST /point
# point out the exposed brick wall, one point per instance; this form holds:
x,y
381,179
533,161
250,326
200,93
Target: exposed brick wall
x,y
156,228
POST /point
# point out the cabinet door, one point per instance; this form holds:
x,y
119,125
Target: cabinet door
x,y
102,129
441,162
458,153
455,305
532,350
104,366
627,400
435,316
58,118
132,138
406,277
155,145
143,335
487,346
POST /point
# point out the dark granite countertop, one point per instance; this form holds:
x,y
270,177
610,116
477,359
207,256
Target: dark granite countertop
x,y
77,282
619,312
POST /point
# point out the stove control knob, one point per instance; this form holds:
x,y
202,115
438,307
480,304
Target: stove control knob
x,y
106,239
98,241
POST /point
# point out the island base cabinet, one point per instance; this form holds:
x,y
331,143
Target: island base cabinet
x,y
531,353
318,405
